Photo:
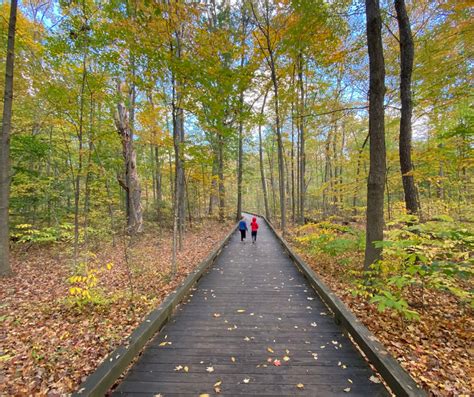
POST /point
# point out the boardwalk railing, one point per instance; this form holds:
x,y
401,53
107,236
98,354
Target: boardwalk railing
x,y
99,382
399,381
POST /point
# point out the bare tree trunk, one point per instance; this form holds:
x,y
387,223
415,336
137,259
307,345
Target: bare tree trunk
x,y
158,183
5,268
240,159
327,172
213,197
269,51
77,183
281,169
407,54
377,170
302,163
292,162
131,184
241,109
272,181
356,188
260,156
179,138
220,173
89,167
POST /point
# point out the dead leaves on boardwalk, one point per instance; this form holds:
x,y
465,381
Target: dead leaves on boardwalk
x,y
45,346
435,350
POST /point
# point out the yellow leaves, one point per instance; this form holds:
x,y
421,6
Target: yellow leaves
x,y
300,386
241,311
270,350
109,266
165,343
217,386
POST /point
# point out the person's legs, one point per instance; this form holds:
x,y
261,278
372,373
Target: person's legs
x,y
254,237
242,235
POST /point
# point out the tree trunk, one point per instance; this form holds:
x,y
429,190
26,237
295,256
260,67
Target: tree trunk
x,y
292,157
240,162
260,156
158,183
281,166
269,51
213,197
5,268
77,183
356,186
272,180
407,53
302,164
220,173
131,184
377,170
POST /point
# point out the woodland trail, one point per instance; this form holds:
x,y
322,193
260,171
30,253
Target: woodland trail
x,y
253,307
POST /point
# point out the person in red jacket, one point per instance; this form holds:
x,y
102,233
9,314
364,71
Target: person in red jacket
x,y
254,228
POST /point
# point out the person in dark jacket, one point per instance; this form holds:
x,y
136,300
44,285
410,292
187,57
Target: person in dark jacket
x,y
243,228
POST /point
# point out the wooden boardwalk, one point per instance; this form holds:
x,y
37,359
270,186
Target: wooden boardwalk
x,y
253,307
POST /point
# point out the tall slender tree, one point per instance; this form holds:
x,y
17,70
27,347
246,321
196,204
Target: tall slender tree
x,y
377,169
268,48
407,54
5,268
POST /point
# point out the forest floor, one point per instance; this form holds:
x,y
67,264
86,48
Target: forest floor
x,y
436,350
49,343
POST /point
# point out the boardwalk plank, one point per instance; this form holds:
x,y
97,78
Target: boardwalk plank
x,y
253,305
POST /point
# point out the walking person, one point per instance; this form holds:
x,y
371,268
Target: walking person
x,y
243,228
254,228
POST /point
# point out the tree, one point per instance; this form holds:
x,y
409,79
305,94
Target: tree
x,y
260,158
268,48
377,170
407,54
5,268
131,184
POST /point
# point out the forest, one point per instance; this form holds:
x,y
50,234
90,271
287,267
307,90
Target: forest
x,y
136,132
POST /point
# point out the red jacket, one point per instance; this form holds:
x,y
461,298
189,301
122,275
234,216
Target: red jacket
x,y
254,225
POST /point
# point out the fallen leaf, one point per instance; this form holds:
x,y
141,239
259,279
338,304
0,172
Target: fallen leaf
x,y
233,359
286,358
246,380
216,315
186,369
277,363
218,383
300,386
347,389
210,369
270,350
374,379
241,311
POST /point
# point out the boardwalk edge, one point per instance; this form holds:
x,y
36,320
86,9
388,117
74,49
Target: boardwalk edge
x,y
99,382
399,380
